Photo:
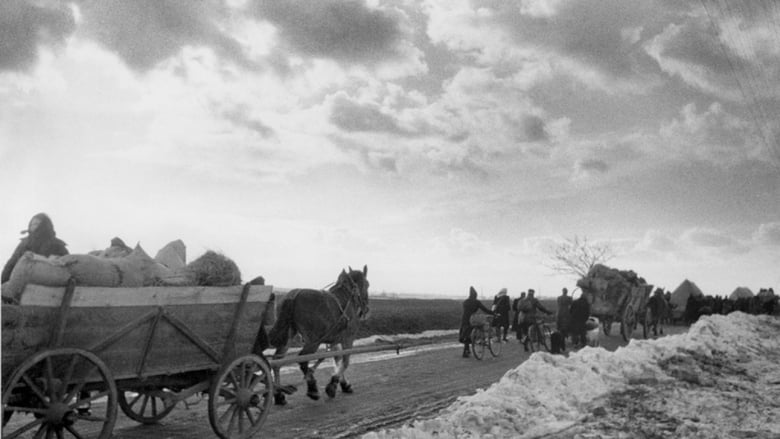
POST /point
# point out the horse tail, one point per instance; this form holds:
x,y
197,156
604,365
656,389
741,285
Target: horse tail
x,y
285,322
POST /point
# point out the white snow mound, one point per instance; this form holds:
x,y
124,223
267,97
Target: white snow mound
x,y
697,376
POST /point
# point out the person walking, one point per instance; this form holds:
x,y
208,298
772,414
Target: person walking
x,y
528,308
41,240
517,314
579,312
470,306
501,307
563,315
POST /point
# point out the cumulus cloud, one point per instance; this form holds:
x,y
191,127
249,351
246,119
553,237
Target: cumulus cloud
x,y
352,116
348,31
240,115
712,134
24,25
716,45
146,32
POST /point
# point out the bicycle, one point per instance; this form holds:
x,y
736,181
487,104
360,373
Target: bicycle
x,y
483,336
539,334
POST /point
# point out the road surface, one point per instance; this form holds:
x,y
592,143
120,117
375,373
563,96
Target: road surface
x,y
390,390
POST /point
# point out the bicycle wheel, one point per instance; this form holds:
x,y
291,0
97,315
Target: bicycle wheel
x,y
494,345
478,343
533,338
545,338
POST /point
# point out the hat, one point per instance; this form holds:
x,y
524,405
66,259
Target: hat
x,y
502,292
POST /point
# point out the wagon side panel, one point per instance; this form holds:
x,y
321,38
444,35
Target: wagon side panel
x,y
140,332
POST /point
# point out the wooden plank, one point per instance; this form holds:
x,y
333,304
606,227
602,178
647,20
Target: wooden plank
x,y
38,295
292,359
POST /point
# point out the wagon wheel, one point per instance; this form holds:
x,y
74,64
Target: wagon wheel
x,y
533,338
146,406
478,342
50,385
240,397
606,324
628,323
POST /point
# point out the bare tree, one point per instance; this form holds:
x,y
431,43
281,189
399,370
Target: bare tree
x,y
576,256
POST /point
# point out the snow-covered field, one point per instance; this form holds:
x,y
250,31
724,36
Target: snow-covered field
x,y
721,379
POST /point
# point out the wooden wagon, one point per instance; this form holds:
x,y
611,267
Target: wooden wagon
x,y
623,305
72,354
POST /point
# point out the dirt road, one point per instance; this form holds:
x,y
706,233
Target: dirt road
x,y
390,390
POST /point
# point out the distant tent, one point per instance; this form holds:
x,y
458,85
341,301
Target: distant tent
x,y
682,292
740,292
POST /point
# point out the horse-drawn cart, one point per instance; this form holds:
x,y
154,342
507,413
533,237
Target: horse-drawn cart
x,y
613,299
72,354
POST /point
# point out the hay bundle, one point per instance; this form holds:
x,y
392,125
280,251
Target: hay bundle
x,y
210,269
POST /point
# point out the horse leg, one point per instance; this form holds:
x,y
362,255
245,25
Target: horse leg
x,y
279,398
308,372
330,389
346,387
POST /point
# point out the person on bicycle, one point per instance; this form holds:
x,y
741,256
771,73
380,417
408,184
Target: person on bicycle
x,y
470,306
501,307
528,308
516,316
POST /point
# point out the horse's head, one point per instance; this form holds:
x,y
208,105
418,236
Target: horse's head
x,y
357,282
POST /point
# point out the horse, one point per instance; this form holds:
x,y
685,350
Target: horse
x,y
331,317
658,309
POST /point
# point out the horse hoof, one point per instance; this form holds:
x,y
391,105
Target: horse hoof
x,y
330,389
280,399
313,395
346,388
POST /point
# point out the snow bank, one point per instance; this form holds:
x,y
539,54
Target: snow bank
x,y
696,376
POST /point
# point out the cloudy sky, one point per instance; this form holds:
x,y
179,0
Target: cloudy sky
x,y
444,143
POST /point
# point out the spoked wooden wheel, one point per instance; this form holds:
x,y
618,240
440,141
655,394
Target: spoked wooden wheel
x,y
146,406
240,397
546,337
60,393
494,344
478,342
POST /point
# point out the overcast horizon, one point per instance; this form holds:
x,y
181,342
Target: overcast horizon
x,y
444,143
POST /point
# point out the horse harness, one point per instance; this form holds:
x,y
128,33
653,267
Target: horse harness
x,y
354,293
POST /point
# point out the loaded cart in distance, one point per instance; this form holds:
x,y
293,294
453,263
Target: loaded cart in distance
x,y
72,355
616,296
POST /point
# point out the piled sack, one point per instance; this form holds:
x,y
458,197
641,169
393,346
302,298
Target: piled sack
x,y
607,286
120,266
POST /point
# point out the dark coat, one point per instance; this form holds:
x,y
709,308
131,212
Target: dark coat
x,y
501,305
580,311
528,307
43,241
470,306
564,312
